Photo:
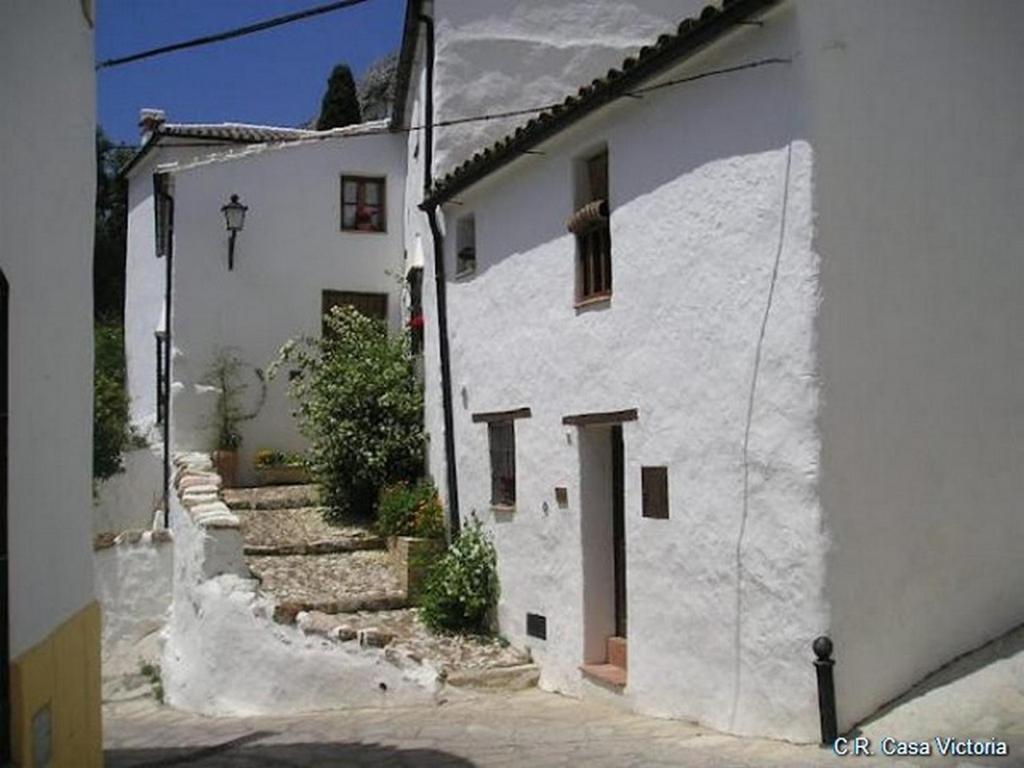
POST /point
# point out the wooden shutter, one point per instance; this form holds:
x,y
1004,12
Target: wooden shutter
x,y
654,488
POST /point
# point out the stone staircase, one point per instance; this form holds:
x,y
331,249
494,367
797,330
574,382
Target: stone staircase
x,y
338,581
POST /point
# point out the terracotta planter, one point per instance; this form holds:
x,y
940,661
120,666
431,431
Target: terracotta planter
x,y
282,475
412,557
226,464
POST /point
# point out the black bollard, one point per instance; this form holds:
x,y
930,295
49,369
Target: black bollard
x,y
826,690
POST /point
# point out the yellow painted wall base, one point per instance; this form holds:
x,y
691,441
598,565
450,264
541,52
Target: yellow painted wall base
x,y
62,672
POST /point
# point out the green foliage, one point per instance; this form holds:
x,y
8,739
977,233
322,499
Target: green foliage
x,y
111,228
410,510
361,408
462,590
267,458
226,374
340,105
153,673
111,435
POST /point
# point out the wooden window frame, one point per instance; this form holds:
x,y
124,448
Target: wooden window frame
x,y
352,297
361,183
503,462
594,244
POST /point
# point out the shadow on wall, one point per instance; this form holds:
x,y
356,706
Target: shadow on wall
x,y
237,752
697,124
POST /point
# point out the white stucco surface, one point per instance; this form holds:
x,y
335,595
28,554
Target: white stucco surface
x,y
292,249
47,190
133,583
225,655
696,260
916,122
129,499
496,56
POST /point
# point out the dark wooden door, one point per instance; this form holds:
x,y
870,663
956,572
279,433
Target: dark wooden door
x,y
619,529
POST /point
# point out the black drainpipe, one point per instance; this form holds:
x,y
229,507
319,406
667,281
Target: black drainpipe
x,y
5,597
440,286
165,389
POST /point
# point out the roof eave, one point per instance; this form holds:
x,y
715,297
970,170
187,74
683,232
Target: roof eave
x,y
705,31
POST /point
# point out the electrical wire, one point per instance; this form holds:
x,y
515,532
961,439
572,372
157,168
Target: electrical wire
x,y
230,34
489,116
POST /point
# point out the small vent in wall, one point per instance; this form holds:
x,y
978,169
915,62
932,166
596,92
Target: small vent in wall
x,y
537,626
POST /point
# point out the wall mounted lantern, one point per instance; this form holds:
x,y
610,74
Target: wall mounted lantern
x,y
234,219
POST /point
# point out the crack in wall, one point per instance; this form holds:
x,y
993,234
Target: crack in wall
x,y
738,624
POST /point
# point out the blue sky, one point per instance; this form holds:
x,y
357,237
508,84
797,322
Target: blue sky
x,y
274,77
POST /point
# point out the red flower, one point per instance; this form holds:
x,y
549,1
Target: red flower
x,y
416,321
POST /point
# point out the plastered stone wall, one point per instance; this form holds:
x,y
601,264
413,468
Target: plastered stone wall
x,y
291,250
133,584
916,127
225,654
710,335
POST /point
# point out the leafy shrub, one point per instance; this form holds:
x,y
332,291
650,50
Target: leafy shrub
x,y
462,590
410,510
111,435
360,406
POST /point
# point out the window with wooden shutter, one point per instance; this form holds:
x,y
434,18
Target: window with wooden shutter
x,y
374,305
502,439
654,489
591,225
363,204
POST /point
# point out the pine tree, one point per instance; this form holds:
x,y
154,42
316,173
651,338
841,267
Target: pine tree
x,y
340,105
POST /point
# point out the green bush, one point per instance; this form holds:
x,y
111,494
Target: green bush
x,y
111,435
462,590
410,510
361,408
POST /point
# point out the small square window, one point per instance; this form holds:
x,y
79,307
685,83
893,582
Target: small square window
x,y
465,245
502,438
363,204
373,305
654,489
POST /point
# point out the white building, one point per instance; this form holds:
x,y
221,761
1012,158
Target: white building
x,y
796,410
305,246
49,618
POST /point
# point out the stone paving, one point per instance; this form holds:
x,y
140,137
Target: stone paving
x,y
530,728
322,579
449,654
303,527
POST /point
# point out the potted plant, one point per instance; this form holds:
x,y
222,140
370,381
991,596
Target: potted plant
x,y
412,519
279,468
226,376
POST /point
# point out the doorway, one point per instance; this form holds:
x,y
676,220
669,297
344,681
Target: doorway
x,y
603,537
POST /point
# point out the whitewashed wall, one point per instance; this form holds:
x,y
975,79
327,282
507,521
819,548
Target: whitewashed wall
x,y
495,55
292,248
917,110
145,280
698,179
129,499
47,191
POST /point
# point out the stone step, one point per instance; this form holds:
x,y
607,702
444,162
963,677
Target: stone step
x,y
515,678
325,547
302,531
616,649
606,674
272,497
329,583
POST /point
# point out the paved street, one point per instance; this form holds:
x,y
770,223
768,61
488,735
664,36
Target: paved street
x,y
531,728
